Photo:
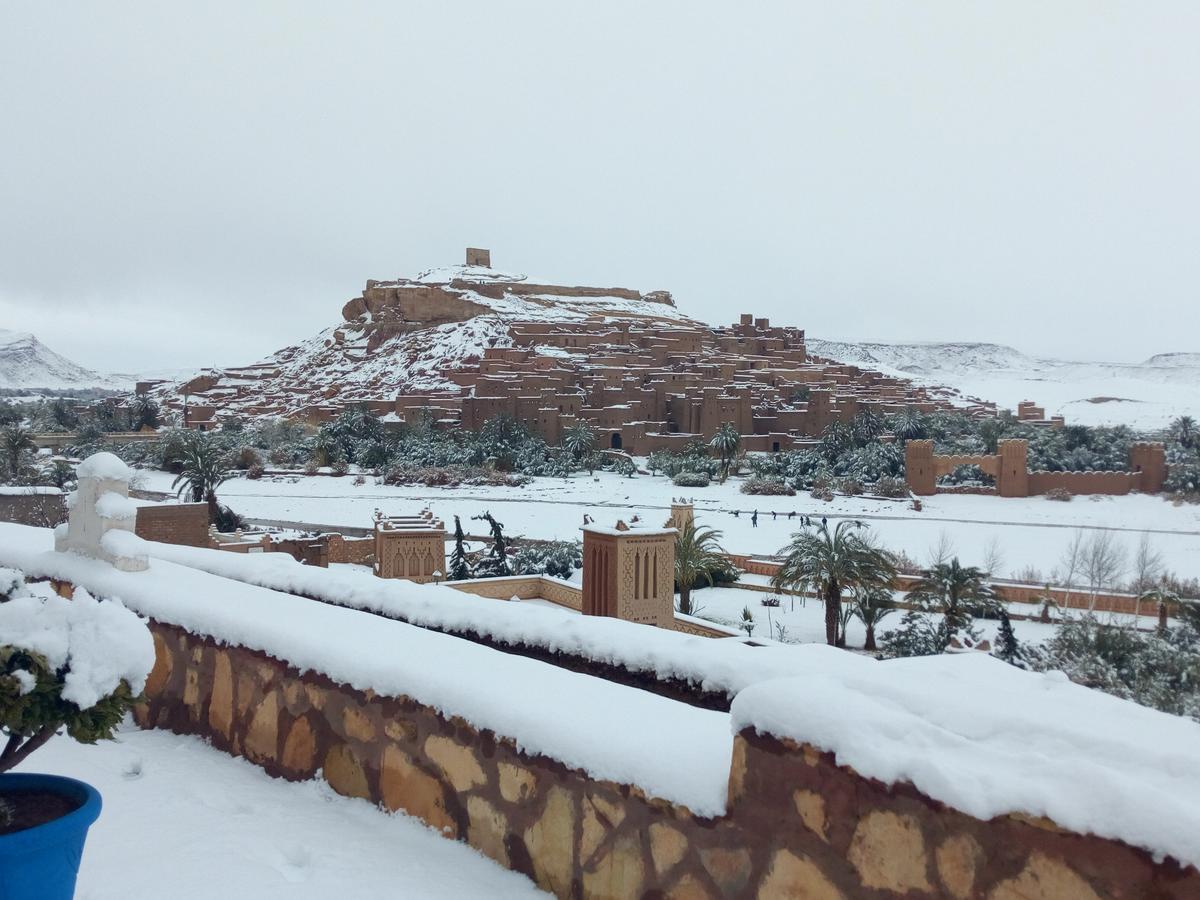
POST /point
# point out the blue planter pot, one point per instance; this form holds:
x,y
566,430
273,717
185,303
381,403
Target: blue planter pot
x,y
41,863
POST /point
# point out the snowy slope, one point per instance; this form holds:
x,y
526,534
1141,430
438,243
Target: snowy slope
x,y
343,361
1141,395
25,362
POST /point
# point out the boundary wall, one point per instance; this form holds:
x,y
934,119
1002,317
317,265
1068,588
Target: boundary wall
x,y
796,823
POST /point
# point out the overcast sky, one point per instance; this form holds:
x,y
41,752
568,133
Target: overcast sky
x,y
193,184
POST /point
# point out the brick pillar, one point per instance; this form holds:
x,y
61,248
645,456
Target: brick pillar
x,y
918,467
629,574
1012,479
682,514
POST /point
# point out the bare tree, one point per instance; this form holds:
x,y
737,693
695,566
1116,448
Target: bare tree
x,y
993,557
1147,565
941,552
1148,568
1072,563
1103,562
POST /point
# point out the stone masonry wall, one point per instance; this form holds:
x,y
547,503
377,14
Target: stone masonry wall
x,y
39,510
174,523
797,825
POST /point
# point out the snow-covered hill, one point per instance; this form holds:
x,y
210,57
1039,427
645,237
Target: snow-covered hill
x,y
28,364
1142,395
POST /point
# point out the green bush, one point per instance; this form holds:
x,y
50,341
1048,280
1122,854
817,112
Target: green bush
x,y
692,479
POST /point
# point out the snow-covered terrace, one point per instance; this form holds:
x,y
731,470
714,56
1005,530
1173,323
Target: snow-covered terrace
x,y
968,731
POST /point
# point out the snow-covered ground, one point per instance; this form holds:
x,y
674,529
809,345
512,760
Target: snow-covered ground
x,y
803,619
1029,531
185,821
1142,395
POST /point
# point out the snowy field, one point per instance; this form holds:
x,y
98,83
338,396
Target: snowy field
x,y
803,619
1029,531
184,821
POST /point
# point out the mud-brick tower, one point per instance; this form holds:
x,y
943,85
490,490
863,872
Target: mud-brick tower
x,y
918,468
1012,477
1149,458
411,547
629,573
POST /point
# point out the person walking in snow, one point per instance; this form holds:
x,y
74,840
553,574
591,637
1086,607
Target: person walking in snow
x,y
773,515
754,519
736,515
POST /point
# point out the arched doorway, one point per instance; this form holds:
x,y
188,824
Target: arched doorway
x,y
615,441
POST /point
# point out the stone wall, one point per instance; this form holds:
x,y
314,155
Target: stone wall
x,y
1147,471
174,523
360,551
524,587
32,507
797,824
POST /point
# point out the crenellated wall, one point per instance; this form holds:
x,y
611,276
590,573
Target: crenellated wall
x,y
797,824
1009,467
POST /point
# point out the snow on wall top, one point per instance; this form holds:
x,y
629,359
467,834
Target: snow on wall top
x,y
989,739
713,665
671,750
104,465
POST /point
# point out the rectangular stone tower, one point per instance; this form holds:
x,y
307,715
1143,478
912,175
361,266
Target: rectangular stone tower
x,y
1012,479
918,468
411,547
629,573
479,257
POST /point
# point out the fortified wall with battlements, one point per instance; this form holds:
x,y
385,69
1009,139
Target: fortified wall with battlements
x,y
1009,467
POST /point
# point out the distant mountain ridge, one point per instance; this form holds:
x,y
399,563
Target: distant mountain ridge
x,y
1143,395
28,364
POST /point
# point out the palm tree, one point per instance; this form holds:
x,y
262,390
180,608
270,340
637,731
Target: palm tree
x,y
833,562
698,554
955,591
726,442
579,440
204,468
145,413
867,425
909,425
15,440
871,605
836,439
1184,430
1163,596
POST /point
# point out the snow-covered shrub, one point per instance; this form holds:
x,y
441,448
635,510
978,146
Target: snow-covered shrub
x,y
339,467
852,487
692,479
247,458
1060,494
1160,671
821,492
77,664
773,487
255,472
892,487
1183,477
558,559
